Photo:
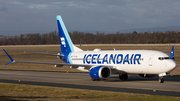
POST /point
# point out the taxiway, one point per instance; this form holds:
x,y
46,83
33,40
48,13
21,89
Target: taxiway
x,y
134,84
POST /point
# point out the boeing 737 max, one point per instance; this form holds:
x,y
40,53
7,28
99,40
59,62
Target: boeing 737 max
x,y
102,63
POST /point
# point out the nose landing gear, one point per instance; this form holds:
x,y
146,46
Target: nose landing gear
x,y
161,80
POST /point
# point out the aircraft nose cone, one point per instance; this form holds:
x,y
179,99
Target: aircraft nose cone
x,y
171,65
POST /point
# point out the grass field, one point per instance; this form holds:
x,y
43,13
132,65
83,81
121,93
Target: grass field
x,y
45,58
20,92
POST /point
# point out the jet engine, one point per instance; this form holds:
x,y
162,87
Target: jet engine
x,y
100,72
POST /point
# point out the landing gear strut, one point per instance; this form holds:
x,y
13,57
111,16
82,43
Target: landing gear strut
x,y
161,79
123,77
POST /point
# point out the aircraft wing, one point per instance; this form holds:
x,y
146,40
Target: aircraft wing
x,y
87,66
51,63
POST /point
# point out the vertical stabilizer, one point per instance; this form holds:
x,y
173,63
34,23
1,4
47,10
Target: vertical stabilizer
x,y
65,41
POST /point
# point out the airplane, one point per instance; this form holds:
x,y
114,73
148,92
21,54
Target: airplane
x,y
102,63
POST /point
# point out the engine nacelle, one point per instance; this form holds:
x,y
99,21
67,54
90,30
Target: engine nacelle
x,y
100,72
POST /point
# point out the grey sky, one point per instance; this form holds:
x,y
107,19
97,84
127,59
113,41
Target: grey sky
x,y
30,16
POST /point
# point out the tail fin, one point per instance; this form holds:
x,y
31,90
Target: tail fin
x,y
172,53
65,41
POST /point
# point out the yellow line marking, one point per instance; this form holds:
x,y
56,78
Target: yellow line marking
x,y
157,81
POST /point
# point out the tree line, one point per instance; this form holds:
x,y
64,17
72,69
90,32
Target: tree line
x,y
97,38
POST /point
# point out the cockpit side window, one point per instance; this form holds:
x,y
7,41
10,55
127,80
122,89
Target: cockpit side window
x,y
160,58
164,58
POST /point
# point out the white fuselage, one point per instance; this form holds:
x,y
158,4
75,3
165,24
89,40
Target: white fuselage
x,y
129,61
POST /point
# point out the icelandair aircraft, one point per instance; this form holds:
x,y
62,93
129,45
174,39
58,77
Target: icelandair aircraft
x,y
102,63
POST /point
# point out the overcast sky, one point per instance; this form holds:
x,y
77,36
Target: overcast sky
x,y
31,16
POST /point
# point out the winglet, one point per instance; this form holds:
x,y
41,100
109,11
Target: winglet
x,y
9,58
172,53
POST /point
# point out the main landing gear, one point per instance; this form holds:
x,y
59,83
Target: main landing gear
x,y
95,79
123,77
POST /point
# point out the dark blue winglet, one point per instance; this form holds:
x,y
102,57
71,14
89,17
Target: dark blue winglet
x,y
9,58
172,53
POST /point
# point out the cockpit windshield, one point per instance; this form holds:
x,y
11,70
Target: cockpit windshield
x,y
165,58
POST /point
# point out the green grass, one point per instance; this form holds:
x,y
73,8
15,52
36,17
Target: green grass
x,y
9,92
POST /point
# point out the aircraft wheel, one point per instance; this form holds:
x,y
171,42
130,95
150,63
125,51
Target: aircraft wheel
x,y
123,77
97,79
161,80
93,79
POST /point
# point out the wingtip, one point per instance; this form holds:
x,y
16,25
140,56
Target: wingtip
x,y
9,58
172,52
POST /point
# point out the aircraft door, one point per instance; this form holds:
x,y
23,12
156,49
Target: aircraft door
x,y
151,60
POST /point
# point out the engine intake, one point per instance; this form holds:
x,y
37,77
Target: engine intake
x,y
100,72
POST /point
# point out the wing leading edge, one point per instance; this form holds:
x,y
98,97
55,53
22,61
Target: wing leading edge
x,y
44,53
